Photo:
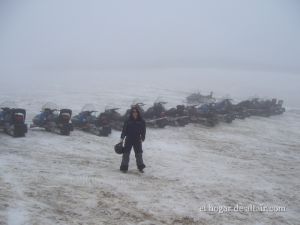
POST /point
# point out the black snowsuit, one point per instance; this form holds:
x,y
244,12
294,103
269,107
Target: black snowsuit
x,y
135,132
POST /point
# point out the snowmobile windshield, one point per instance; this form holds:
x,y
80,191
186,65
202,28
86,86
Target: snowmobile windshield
x,y
50,106
88,108
199,98
137,102
139,106
159,100
8,105
111,109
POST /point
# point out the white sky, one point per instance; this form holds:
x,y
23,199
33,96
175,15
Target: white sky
x,y
78,34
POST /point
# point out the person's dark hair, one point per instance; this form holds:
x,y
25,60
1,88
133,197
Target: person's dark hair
x,y
134,108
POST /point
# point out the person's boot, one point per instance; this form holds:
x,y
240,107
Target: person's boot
x,y
124,169
141,168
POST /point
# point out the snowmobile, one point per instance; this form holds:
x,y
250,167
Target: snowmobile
x,y
197,98
274,107
136,105
12,121
240,110
224,110
140,108
112,118
259,107
177,116
54,120
172,117
277,107
155,116
265,108
86,120
204,114
154,121
3,113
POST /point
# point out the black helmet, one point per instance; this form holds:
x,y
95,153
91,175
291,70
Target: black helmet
x,y
119,149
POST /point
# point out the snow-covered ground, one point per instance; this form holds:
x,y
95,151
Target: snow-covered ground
x,y
50,179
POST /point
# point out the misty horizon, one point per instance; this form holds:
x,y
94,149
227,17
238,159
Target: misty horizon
x,y
237,48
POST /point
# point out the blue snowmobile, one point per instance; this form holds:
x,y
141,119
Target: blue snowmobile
x,y
54,120
87,121
204,114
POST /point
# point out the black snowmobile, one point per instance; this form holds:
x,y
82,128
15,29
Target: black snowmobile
x,y
110,118
265,108
155,116
3,115
86,120
240,110
152,119
140,108
178,116
277,107
12,121
54,122
224,110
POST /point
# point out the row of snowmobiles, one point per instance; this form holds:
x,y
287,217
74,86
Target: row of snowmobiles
x,y
52,119
12,120
157,116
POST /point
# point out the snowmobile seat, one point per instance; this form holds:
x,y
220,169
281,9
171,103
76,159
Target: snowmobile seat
x,y
65,114
66,111
19,111
17,115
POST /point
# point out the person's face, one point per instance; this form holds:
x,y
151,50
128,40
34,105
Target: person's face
x,y
134,114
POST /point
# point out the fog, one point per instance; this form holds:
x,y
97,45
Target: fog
x,y
236,47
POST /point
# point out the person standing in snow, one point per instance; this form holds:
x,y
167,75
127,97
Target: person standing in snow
x,y
134,132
